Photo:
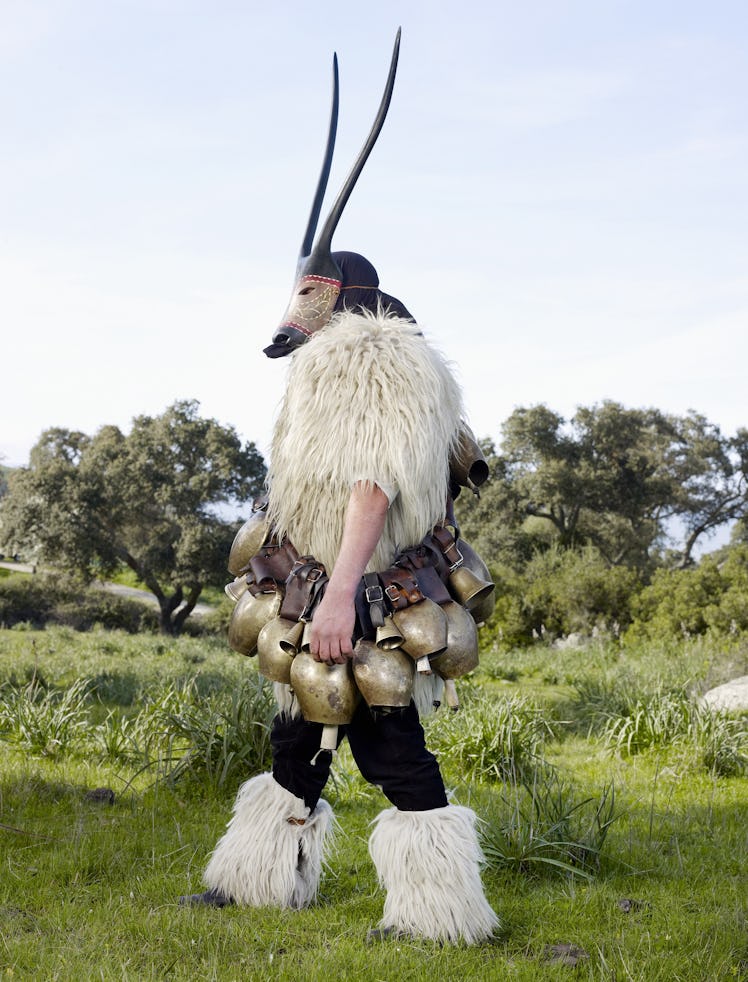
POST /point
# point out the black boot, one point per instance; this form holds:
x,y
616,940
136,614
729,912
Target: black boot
x,y
211,898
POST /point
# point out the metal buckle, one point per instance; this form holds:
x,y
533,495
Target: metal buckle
x,y
459,562
374,594
393,592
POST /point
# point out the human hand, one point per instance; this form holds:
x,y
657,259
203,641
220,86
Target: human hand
x,y
331,632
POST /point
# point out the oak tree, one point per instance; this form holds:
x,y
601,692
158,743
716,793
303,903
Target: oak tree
x,y
154,499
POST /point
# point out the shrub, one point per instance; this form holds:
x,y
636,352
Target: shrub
x,y
542,825
48,599
560,592
508,627
26,599
675,602
489,738
99,608
730,616
709,598
576,591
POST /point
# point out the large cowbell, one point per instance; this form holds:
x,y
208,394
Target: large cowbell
x,y
318,277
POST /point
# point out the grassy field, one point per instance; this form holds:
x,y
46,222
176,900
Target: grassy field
x,y
616,817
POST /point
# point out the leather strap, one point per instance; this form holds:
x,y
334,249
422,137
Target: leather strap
x,y
431,585
374,597
400,587
448,546
303,586
271,566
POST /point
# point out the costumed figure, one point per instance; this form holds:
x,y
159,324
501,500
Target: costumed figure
x,y
358,596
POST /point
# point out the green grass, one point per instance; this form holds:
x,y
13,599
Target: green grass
x,y
88,890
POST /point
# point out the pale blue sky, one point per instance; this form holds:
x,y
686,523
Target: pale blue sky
x,y
559,196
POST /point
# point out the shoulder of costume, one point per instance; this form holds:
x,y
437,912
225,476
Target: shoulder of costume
x,y
367,324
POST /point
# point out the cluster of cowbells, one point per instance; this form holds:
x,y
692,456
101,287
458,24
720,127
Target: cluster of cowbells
x,y
425,637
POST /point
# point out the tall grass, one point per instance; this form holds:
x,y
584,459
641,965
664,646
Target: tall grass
x,y
178,734
720,741
674,719
537,822
541,824
211,739
45,721
489,739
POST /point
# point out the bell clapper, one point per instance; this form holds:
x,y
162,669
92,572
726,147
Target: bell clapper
x,y
450,694
423,665
329,739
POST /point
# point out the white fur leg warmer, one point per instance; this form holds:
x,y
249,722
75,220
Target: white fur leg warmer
x,y
429,864
265,860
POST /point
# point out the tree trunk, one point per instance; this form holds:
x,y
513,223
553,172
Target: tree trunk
x,y
181,616
167,606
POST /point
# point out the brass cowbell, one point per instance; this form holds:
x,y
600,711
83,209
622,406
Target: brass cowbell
x,y
384,676
249,617
276,647
327,694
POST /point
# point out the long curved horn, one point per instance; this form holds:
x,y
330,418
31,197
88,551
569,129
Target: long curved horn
x,y
325,239
318,276
311,228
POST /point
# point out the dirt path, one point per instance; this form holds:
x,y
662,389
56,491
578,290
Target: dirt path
x,y
145,596
17,567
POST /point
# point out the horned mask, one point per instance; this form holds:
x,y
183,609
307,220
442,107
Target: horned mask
x,y
319,278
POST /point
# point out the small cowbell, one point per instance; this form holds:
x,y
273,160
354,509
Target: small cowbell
x,y
236,588
388,635
470,582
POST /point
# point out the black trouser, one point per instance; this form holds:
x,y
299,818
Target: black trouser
x,y
389,749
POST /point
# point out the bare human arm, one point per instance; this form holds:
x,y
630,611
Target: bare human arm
x,y
335,617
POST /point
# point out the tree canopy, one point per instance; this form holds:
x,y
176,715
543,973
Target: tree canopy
x,y
150,499
634,483
577,519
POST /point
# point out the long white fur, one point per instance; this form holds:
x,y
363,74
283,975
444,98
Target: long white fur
x,y
368,398
429,864
287,702
427,691
263,860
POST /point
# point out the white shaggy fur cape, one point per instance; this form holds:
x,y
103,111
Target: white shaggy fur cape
x,y
368,399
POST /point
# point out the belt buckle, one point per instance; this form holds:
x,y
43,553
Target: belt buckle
x,y
374,594
458,562
393,593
